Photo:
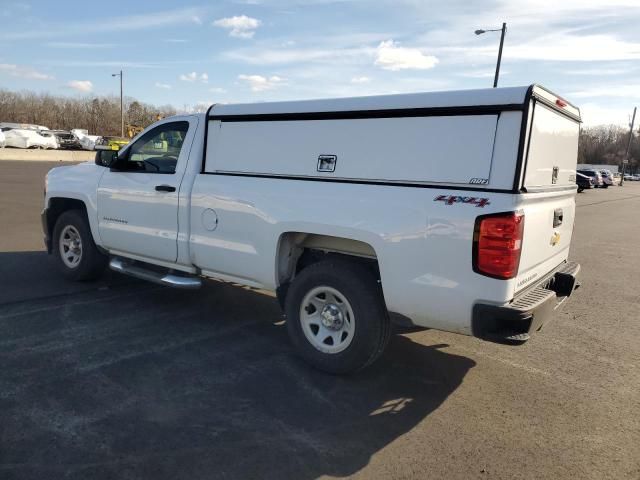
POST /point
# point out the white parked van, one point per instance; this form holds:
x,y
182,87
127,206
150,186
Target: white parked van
x,y
448,210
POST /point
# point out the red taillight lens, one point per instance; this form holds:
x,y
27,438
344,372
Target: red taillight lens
x,y
497,245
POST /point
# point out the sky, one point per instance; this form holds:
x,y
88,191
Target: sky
x,y
187,54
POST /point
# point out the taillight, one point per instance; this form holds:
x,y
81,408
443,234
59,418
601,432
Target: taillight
x,y
497,242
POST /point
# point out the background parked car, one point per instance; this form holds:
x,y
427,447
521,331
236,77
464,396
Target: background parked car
x,y
583,181
617,177
2,139
19,138
594,175
66,140
607,178
87,141
114,143
52,140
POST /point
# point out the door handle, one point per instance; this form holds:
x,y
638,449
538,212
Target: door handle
x,y
557,217
165,188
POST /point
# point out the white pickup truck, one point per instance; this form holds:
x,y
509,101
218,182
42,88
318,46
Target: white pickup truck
x,y
449,210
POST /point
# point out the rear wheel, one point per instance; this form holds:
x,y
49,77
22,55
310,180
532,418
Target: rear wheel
x,y
336,316
76,253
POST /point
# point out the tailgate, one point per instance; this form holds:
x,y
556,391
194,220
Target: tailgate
x,y
544,245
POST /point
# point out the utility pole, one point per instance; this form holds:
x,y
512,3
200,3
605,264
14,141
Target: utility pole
x,y
626,155
121,103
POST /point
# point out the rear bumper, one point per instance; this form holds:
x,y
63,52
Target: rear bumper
x,y
527,312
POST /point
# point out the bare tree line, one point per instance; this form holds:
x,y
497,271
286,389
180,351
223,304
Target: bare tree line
x,y
607,144
99,115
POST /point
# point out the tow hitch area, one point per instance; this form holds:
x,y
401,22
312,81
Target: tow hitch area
x,y
514,323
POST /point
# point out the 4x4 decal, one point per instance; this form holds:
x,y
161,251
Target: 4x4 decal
x,y
451,199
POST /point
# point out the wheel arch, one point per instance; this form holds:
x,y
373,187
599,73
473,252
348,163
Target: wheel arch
x,y
56,206
297,250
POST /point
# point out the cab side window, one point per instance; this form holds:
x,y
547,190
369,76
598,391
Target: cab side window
x,y
157,151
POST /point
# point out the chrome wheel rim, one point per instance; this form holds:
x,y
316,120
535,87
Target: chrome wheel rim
x,y
327,320
70,246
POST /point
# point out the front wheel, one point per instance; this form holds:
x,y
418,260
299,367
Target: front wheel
x,y
76,253
336,317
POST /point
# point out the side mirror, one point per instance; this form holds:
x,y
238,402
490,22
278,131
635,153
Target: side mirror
x,y
106,158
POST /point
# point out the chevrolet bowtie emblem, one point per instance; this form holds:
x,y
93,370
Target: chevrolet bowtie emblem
x,y
555,239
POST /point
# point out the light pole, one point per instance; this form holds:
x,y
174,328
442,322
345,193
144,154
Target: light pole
x,y
121,104
503,30
626,155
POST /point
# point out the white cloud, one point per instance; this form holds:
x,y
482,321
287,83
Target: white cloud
x,y
258,83
79,45
196,19
14,9
81,85
164,86
625,91
482,74
391,56
23,72
189,77
360,80
284,56
594,114
194,77
116,64
598,72
217,90
175,40
89,26
568,47
239,26
590,31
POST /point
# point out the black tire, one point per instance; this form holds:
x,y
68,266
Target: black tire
x,y
372,329
580,189
605,186
91,262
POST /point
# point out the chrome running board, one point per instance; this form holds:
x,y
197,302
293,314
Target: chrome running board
x,y
163,278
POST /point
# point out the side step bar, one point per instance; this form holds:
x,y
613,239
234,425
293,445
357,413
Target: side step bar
x,y
163,278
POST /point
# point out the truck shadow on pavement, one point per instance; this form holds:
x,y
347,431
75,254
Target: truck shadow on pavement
x,y
129,380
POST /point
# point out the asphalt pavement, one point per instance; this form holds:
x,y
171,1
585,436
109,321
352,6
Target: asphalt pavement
x,y
120,379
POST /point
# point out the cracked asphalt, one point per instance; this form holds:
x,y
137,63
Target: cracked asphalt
x,y
120,379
